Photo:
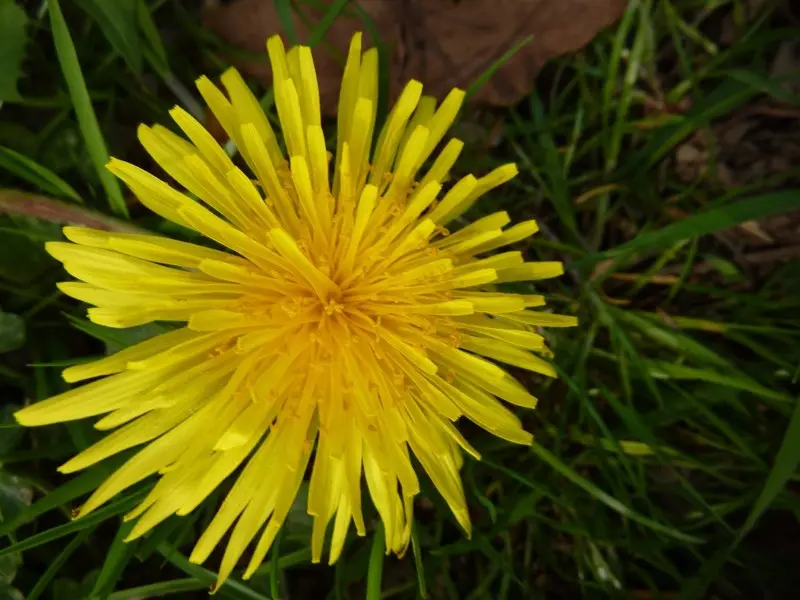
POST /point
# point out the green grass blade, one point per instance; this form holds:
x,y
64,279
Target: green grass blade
x,y
553,170
375,567
62,495
37,175
418,564
287,561
623,97
286,18
151,37
786,463
709,221
674,340
158,590
230,589
275,567
609,95
56,564
118,555
326,21
644,434
484,77
696,586
607,499
87,121
118,22
785,466
727,96
663,370
767,85
737,438
90,520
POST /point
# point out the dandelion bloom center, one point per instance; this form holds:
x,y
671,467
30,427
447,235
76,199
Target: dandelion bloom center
x,y
350,315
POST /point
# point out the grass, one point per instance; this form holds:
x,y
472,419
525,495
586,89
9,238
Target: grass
x,y
665,457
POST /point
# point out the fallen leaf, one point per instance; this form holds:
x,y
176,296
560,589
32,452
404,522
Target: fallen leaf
x,y
442,43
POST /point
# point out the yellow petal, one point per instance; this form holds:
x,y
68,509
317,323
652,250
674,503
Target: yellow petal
x,y
88,400
249,111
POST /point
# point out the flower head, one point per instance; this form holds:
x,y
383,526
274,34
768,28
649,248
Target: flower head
x,y
344,321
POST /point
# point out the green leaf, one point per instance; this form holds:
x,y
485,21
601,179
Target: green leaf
x,y
709,221
95,144
35,174
13,22
118,22
12,332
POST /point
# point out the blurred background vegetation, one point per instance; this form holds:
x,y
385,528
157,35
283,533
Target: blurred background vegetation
x,y
663,163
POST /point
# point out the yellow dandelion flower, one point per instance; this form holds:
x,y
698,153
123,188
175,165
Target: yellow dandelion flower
x,y
345,322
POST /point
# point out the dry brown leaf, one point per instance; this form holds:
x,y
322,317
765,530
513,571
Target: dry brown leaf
x,y
443,43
